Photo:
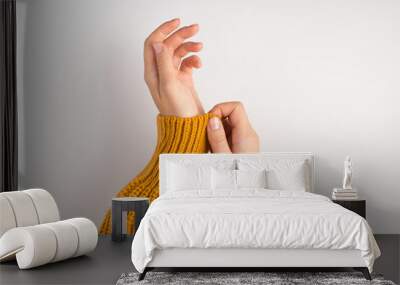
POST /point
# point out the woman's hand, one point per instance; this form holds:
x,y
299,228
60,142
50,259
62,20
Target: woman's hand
x,y
233,132
167,72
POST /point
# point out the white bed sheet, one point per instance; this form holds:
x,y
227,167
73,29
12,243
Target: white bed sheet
x,y
250,218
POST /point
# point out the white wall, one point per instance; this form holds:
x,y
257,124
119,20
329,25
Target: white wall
x,y
320,76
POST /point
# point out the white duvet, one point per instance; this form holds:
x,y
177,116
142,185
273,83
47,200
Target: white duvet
x,y
251,218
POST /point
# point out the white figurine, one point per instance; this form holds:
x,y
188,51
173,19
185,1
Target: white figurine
x,y
347,174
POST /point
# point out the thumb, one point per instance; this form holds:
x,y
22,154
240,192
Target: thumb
x,y
217,137
164,62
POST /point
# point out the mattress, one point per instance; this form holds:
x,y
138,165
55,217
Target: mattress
x,y
250,219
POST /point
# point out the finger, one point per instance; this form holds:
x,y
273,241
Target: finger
x,y
234,111
187,47
217,137
227,127
158,35
178,37
164,61
162,32
165,28
189,63
184,49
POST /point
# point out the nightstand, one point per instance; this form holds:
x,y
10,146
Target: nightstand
x,y
357,206
137,204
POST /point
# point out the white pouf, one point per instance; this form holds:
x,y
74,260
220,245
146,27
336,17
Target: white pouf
x,y
45,205
7,216
31,232
37,245
23,208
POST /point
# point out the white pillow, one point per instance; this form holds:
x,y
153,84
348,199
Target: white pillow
x,y
251,178
293,178
223,179
223,164
282,174
188,177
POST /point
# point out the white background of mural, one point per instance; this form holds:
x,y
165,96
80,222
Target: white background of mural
x,y
320,76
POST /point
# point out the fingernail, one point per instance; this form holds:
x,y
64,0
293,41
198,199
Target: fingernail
x,y
215,123
157,47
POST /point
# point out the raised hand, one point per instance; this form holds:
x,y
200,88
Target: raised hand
x,y
168,73
232,133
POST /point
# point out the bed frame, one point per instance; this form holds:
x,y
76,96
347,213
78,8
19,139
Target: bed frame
x,y
234,259
245,259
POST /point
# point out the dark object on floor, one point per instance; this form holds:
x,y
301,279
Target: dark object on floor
x,y
137,204
364,271
269,278
143,274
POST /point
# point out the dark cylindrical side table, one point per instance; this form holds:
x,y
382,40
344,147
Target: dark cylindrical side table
x,y
137,204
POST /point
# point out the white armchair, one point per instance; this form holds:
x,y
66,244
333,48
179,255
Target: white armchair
x,y
31,230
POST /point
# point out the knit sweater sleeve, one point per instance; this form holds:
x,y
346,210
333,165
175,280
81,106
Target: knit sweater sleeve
x,y
174,135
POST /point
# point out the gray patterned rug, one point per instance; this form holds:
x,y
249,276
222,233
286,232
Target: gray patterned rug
x,y
269,278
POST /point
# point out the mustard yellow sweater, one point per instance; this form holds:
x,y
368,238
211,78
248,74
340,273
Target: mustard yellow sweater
x,y
174,135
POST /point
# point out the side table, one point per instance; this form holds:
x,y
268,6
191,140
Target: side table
x,y
357,206
137,204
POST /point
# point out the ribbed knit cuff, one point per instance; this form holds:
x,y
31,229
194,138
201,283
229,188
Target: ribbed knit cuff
x,y
174,135
182,135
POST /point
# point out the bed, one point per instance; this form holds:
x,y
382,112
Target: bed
x,y
245,211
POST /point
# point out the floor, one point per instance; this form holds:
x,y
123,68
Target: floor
x,y
102,266
110,260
